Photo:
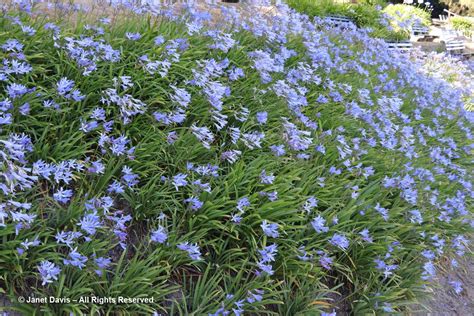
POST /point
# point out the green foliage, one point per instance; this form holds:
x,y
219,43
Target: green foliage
x,y
365,15
465,25
319,8
373,2
403,16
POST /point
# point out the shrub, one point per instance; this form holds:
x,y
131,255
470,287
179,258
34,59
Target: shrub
x,y
259,169
465,25
320,8
364,15
403,16
373,2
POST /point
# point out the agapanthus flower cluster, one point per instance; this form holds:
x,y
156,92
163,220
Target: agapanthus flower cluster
x,y
49,272
88,51
192,249
267,256
129,106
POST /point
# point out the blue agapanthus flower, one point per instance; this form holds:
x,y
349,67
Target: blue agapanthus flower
x,y
192,249
102,264
159,235
318,224
76,259
49,272
340,241
90,223
63,196
270,229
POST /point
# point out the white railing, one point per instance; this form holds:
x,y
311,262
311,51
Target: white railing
x,y
450,13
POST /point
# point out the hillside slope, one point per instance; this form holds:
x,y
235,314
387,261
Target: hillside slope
x,y
270,164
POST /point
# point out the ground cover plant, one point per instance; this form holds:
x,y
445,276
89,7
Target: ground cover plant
x,y
232,164
456,72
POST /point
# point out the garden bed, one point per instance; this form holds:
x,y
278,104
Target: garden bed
x,y
270,164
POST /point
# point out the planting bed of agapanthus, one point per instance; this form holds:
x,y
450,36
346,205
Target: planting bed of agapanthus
x,y
218,163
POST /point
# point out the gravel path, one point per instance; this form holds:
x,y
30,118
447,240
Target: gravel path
x,y
444,301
